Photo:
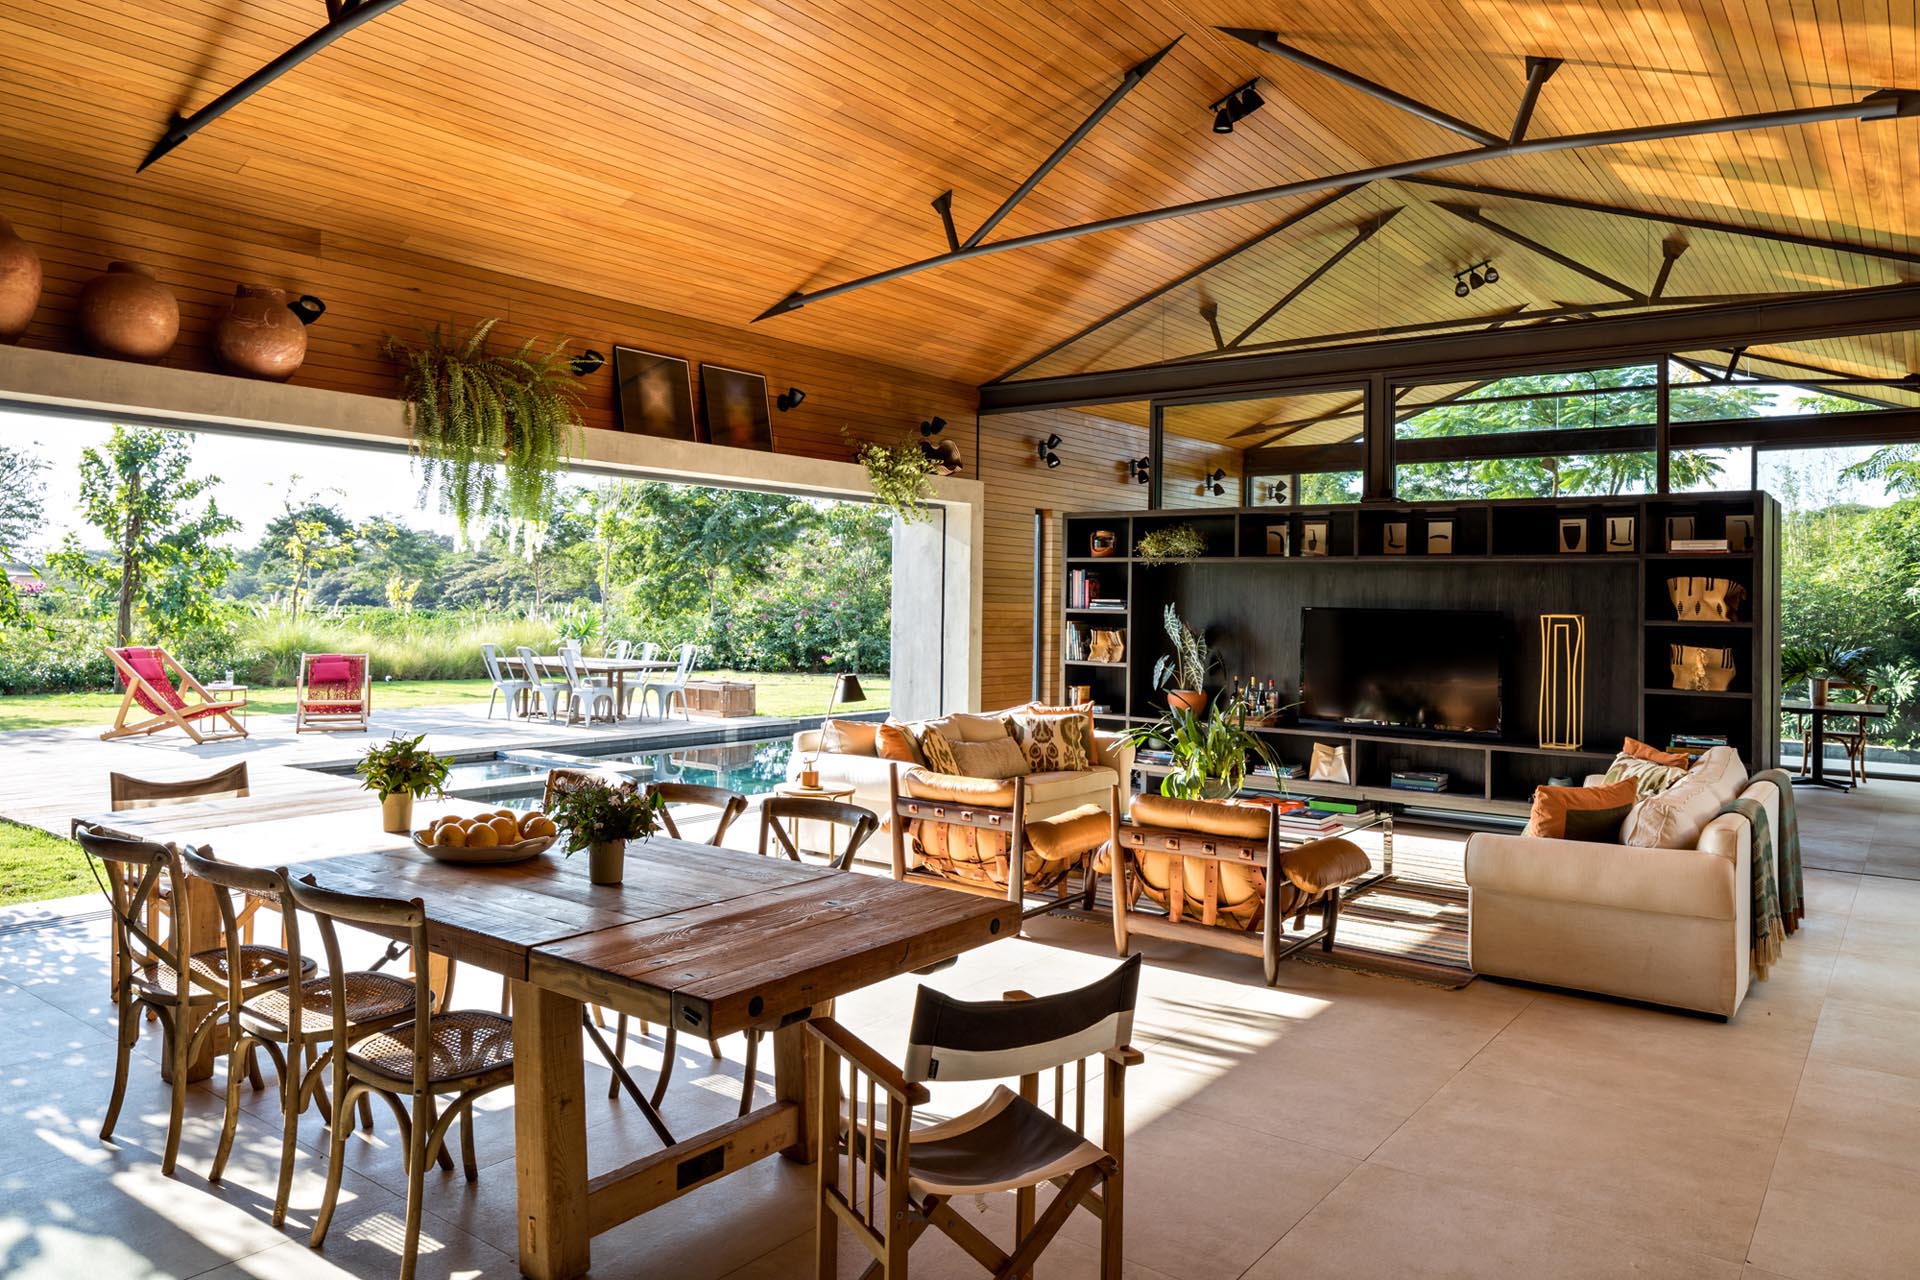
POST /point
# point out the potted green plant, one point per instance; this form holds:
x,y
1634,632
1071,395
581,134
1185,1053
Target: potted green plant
x,y
901,476
1183,673
601,817
1820,664
471,410
1175,544
1210,751
398,770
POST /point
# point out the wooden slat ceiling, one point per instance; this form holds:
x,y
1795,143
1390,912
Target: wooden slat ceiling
x,y
708,157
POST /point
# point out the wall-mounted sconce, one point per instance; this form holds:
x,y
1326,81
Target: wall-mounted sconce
x,y
1274,493
933,426
587,362
1141,469
791,398
1047,449
1212,482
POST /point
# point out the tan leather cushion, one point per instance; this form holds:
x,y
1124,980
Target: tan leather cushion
x,y
1237,821
924,784
1070,834
961,727
994,758
1325,864
849,737
893,741
1047,788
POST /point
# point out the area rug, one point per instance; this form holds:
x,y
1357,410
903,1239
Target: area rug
x,y
1405,927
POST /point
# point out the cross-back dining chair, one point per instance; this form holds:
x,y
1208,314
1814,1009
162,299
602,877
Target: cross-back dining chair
x,y
414,1066
186,987
891,1181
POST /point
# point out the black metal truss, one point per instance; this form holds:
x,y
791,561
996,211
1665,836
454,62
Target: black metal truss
x,y
1472,214
1366,232
343,16
1270,42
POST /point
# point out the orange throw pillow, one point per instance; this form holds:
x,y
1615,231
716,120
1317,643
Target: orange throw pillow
x,y
1671,759
893,742
1552,804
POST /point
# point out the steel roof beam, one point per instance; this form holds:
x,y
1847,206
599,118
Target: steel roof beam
x,y
1270,42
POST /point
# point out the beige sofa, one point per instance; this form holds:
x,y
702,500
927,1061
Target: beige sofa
x,y
1670,924
1047,793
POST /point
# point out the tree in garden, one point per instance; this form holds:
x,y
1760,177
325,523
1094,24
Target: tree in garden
x,y
163,564
22,496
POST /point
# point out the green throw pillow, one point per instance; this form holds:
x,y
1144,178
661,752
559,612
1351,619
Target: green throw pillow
x,y
1596,826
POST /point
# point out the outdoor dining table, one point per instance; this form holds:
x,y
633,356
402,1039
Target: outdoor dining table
x,y
617,668
1818,714
713,940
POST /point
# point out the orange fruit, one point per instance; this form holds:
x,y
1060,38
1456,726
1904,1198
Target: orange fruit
x,y
538,826
504,813
452,836
505,829
482,837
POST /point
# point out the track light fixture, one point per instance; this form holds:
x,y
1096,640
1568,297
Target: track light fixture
x,y
933,426
1467,279
791,398
1046,450
1238,104
587,362
1212,482
1141,469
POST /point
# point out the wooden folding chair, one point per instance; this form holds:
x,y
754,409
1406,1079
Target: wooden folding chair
x,y
889,1181
335,691
148,673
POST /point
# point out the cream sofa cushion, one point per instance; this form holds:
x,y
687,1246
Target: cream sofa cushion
x,y
1676,817
962,727
993,758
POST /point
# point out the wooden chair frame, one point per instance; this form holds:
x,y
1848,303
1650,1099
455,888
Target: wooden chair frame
x,y
1268,943
873,1198
731,805
1854,740
860,823
161,713
905,809
309,720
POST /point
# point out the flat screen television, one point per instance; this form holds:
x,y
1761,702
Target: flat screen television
x,y
1434,671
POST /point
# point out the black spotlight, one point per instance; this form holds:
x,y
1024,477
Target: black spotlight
x,y
1046,451
1141,469
1492,276
1239,103
586,362
1460,289
1212,483
1475,279
1223,121
791,398
1250,100
933,426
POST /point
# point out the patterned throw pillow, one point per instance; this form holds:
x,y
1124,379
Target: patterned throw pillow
x,y
938,754
1055,742
1649,777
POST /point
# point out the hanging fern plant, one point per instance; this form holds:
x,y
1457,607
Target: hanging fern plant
x,y
901,476
492,431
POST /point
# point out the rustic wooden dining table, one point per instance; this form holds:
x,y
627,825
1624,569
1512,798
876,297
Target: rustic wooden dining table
x,y
712,940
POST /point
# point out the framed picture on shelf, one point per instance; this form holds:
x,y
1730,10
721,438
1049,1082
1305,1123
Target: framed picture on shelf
x,y
1393,538
1620,534
1573,535
1679,529
1439,537
1279,540
1739,533
653,394
1313,538
733,404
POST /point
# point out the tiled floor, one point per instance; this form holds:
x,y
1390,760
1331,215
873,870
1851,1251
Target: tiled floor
x,y
1338,1125
1875,828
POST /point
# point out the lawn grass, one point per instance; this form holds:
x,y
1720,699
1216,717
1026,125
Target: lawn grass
x,y
777,695
35,865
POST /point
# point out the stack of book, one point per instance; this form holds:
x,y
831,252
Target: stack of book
x,y
1417,780
1697,546
1695,745
1110,604
1281,770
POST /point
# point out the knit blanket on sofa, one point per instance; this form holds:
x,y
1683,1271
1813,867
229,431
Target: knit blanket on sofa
x,y
1779,895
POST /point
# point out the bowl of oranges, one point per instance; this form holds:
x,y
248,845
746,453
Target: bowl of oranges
x,y
487,838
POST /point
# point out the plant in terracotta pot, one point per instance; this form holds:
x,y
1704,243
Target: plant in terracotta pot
x,y
399,771
1210,751
1183,673
1820,664
601,817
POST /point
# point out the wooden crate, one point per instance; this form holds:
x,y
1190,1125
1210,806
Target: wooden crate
x,y
721,698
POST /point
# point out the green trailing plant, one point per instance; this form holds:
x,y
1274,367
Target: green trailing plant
x,y
475,414
901,476
1806,661
598,812
400,766
1175,544
1191,661
1210,750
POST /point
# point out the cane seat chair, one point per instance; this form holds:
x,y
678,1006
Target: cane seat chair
x,y
415,1066
1849,731
187,989
292,1020
890,1181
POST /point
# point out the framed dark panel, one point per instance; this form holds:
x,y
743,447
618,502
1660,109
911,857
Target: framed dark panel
x,y
654,394
733,405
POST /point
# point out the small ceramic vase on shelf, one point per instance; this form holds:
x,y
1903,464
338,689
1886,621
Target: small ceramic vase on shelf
x,y
20,280
127,313
263,335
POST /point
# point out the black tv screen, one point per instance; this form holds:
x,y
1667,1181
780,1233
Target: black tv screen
x,y
1420,670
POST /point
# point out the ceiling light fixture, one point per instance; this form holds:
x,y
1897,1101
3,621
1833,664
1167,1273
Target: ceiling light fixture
x,y
1046,450
1240,102
1467,279
791,398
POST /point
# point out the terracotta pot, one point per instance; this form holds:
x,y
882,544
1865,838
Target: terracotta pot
x,y
396,813
1187,700
129,314
1822,685
19,283
263,335
607,861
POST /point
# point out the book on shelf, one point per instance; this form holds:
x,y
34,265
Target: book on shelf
x,y
1332,806
1418,780
1082,587
1697,546
1075,643
1107,604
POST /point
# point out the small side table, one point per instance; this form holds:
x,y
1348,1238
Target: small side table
x,y
814,793
230,690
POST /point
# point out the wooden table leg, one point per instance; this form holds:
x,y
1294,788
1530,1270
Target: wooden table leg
x,y
796,1078
550,1133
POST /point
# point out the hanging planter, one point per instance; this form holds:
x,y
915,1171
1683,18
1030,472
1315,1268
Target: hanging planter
x,y
901,476
492,431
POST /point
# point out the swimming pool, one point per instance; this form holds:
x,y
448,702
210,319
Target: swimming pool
x,y
516,779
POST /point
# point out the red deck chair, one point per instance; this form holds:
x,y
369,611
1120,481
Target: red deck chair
x,y
336,692
147,672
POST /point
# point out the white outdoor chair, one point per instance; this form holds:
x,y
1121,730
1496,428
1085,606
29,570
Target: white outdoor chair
x,y
666,687
647,652
549,692
498,670
620,650
587,692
